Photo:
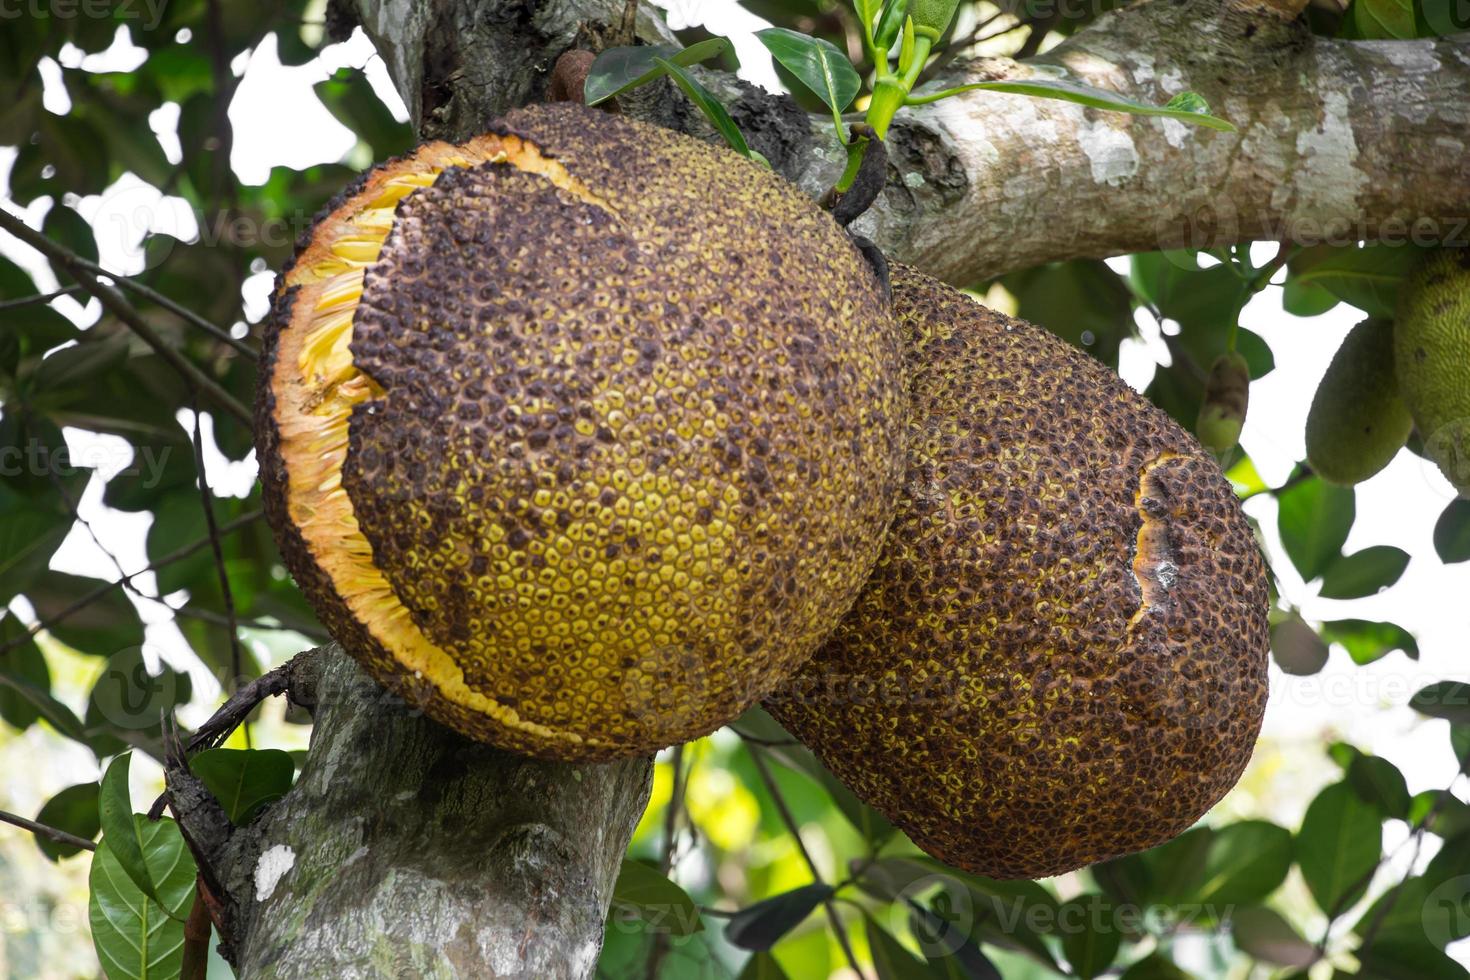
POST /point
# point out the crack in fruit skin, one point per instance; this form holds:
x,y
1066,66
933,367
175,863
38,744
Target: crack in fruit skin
x,y
1067,627
582,472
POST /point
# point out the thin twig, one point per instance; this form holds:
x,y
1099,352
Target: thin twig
x,y
118,305
36,300
757,756
106,587
206,499
53,833
660,946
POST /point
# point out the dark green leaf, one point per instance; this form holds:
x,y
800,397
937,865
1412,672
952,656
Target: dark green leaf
x,y
707,104
659,903
1363,573
1314,519
129,699
139,935
1192,110
46,707
1083,301
1338,846
949,935
1445,699
1379,782
123,835
816,63
1367,641
616,70
762,966
1247,861
1384,19
244,781
73,810
26,665
106,624
1155,967
759,926
1090,936
1367,277
1452,532
350,97
1267,936
1297,648
1404,958
890,959
65,227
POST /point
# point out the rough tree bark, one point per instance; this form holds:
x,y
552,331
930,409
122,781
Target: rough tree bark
x,y
404,850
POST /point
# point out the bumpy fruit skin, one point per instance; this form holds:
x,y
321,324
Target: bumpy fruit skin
x,y
1358,422
1061,654
582,435
1432,358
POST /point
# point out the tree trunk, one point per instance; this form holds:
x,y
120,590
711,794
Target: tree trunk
x,y
405,850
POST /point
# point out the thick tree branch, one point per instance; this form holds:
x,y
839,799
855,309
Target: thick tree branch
x,y
406,850
1338,140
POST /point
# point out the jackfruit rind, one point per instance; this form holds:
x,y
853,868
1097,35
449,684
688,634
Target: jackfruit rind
x,y
1358,422
580,435
1061,654
1432,358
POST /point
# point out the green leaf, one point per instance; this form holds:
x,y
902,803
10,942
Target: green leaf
x,y
1090,936
1192,110
1379,782
58,715
26,665
616,70
1297,648
245,780
1338,846
1246,862
65,227
1445,699
1314,518
140,935
129,701
1265,935
818,65
1367,641
760,926
1366,277
1154,967
890,959
950,935
120,831
762,966
1364,573
662,905
1452,532
709,105
73,810
1384,19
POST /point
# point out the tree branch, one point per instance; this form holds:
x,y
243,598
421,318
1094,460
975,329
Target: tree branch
x,y
1338,140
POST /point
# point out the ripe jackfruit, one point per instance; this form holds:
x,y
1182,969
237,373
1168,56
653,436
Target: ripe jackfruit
x,y
1432,358
1358,422
1061,654
582,434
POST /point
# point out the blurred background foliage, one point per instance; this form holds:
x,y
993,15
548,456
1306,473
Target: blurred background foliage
x,y
122,101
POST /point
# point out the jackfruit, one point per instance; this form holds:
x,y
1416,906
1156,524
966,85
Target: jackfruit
x,y
1358,422
1227,396
1432,358
1061,654
580,435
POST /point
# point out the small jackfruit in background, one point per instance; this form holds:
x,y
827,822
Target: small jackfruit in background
x,y
1061,654
1358,422
1227,396
580,435
1432,358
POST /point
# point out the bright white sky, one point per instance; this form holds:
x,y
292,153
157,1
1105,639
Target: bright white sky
x,y
278,121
